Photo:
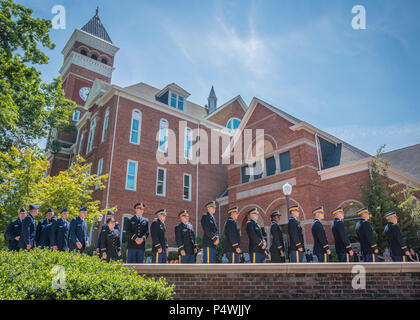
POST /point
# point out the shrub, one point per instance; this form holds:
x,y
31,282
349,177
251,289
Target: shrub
x,y
30,276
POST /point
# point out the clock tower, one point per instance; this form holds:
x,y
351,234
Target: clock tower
x,y
88,55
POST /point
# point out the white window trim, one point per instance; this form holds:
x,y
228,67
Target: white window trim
x,y
131,126
91,136
165,150
177,101
190,187
232,119
135,176
164,182
189,156
105,126
78,116
99,173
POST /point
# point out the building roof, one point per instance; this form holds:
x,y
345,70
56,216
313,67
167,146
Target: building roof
x,y
96,28
405,159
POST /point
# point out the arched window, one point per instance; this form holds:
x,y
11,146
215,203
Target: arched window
x,y
163,135
104,61
233,123
135,127
94,57
105,127
188,143
84,52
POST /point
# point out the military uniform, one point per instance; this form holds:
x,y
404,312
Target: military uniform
x,y
185,239
14,230
320,239
296,238
105,227
43,231
208,223
366,238
159,241
342,242
59,234
28,233
277,243
256,239
78,232
138,227
232,238
397,245
110,244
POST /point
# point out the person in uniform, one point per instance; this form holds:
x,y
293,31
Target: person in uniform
x,y
297,245
211,235
78,232
367,240
138,232
321,247
27,236
159,241
109,214
397,246
59,234
255,236
185,239
232,236
110,246
14,230
44,228
342,242
277,244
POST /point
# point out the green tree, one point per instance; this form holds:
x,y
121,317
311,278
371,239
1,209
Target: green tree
x,y
29,108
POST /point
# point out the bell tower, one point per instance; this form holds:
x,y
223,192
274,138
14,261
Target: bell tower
x,y
88,55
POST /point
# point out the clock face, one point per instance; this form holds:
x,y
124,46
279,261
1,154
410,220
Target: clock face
x,y
84,92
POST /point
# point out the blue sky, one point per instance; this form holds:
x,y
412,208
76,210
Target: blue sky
x,y
303,57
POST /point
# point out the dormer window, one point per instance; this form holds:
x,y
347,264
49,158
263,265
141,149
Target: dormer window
x,y
176,101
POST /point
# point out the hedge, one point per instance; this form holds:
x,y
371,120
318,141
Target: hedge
x,y
31,275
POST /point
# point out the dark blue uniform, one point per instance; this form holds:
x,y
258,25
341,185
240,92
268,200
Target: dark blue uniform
x,y
396,242
208,223
232,240
14,230
367,240
342,242
28,232
277,243
296,240
78,233
43,232
138,227
159,241
256,241
59,234
185,240
110,243
320,241
105,227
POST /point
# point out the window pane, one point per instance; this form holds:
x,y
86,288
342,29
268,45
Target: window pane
x,y
131,168
257,170
180,105
134,136
270,164
244,176
130,182
285,161
135,125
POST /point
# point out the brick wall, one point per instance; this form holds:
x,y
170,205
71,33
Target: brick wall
x,y
288,281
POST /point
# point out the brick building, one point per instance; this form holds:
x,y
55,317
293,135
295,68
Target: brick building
x,y
127,132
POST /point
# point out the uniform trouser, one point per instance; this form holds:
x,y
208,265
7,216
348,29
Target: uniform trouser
x,y
323,257
135,255
371,257
296,256
188,258
343,257
209,255
159,257
399,258
233,257
276,257
257,257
